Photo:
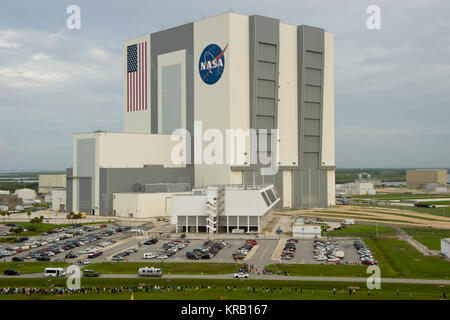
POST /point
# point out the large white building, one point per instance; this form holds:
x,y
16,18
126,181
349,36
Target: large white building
x,y
228,72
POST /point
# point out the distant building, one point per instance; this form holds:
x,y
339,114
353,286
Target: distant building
x,y
26,194
420,178
51,182
301,230
10,200
435,187
59,200
445,247
4,192
355,188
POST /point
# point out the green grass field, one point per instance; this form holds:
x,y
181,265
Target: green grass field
x,y
443,212
167,267
429,237
319,270
290,290
436,202
360,230
400,196
31,267
398,259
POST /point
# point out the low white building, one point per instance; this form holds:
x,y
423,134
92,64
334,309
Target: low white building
x,y
435,187
4,192
360,188
59,200
301,230
142,205
445,247
26,194
224,209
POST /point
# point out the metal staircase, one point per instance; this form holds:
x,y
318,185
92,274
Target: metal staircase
x,y
215,206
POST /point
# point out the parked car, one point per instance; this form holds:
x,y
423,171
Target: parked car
x,y
17,259
240,275
192,256
11,273
90,273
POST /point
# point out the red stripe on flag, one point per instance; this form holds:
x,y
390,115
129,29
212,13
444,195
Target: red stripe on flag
x,y
145,75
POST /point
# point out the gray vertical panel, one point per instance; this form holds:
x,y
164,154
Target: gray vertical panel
x,y
174,39
171,98
69,190
264,56
85,195
86,163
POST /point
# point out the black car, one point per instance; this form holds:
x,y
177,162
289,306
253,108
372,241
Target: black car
x,y
150,242
192,256
206,256
11,273
71,255
43,258
17,259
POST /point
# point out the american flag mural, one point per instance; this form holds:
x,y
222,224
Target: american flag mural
x,y
137,77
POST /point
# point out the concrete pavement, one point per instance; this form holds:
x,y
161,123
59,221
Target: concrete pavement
x,y
261,277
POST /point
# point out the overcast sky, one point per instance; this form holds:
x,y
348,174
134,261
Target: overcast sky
x,y
392,86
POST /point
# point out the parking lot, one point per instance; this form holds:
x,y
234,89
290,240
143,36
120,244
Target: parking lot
x,y
114,241
304,253
65,244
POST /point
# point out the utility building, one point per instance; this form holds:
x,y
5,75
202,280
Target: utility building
x,y
232,72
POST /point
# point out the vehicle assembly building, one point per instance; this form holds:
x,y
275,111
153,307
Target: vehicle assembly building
x,y
226,73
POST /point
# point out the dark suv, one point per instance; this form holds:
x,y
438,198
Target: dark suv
x,y
11,273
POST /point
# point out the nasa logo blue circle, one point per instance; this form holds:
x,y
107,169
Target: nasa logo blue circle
x,y
212,63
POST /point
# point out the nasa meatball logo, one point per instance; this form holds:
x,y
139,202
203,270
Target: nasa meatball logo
x,y
212,63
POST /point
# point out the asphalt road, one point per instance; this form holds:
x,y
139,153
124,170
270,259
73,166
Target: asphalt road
x,y
260,277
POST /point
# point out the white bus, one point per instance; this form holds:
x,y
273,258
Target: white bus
x,y
54,272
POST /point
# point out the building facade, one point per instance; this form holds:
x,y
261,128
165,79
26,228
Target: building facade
x,y
51,182
229,72
420,178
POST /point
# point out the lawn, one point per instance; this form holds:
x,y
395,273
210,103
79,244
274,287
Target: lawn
x,y
429,237
445,212
290,290
167,267
319,270
400,196
31,267
399,259
360,230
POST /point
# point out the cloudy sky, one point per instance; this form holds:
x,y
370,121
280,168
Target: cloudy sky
x,y
392,86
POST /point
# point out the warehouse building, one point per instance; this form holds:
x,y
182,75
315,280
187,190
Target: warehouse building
x,y
228,72
51,182
420,178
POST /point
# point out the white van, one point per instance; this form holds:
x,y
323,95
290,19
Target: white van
x,y
54,272
149,255
349,221
150,272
